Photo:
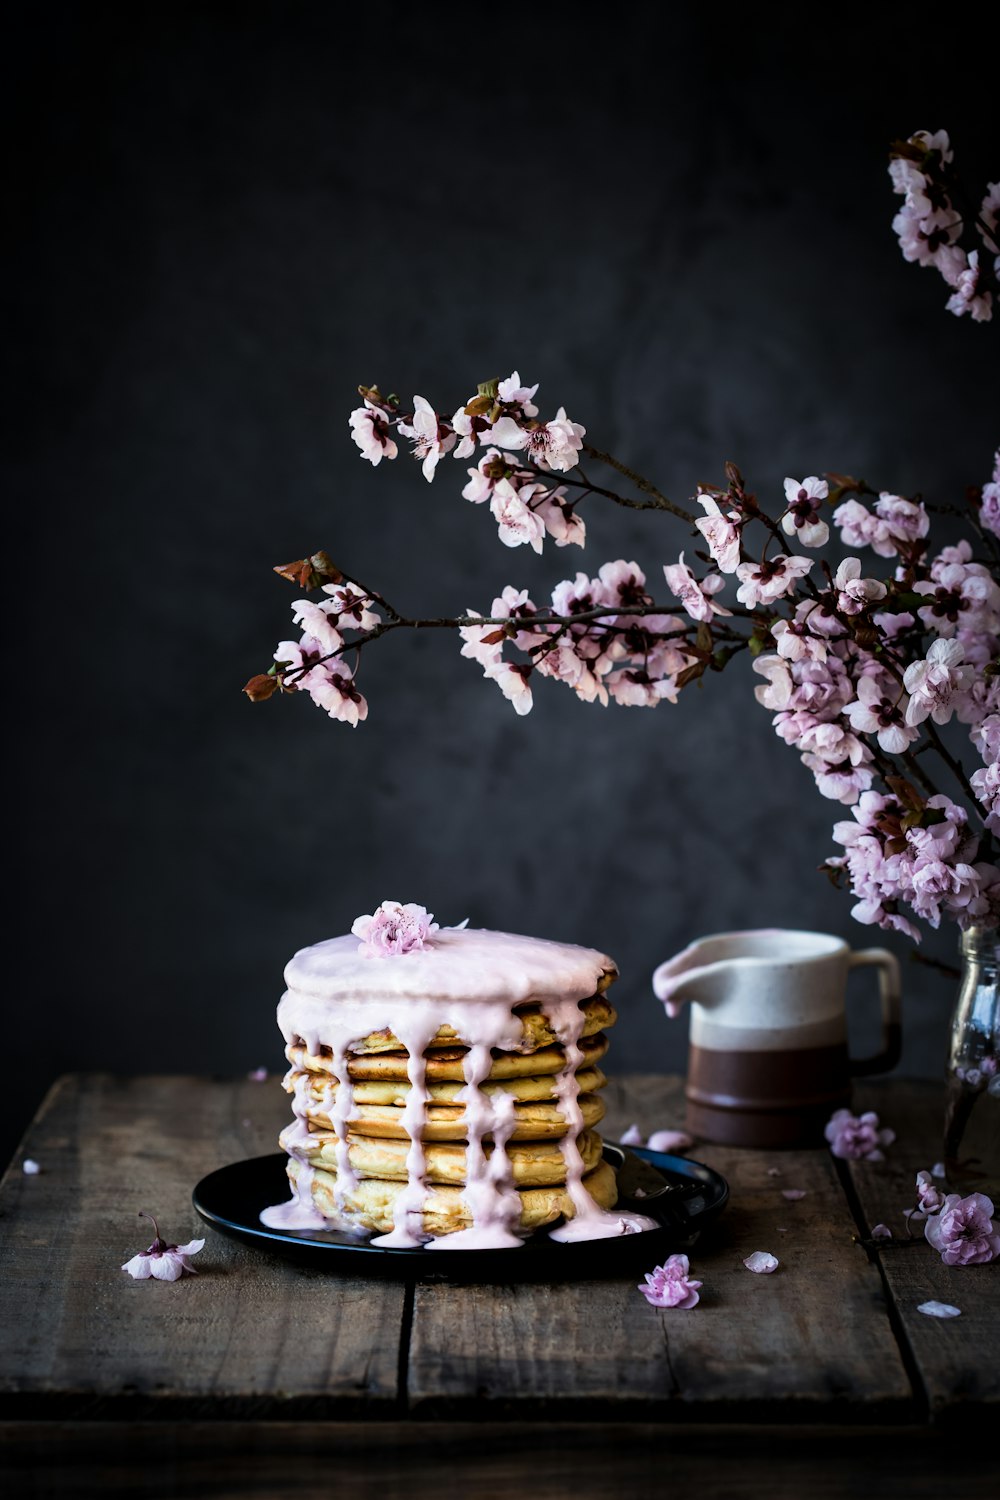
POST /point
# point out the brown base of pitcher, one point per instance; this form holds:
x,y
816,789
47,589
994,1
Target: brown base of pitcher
x,y
773,1100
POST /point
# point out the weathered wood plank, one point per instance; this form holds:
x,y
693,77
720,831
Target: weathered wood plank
x,y
428,1460
957,1359
811,1342
250,1334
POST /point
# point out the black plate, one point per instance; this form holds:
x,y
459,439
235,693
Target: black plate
x,y
231,1200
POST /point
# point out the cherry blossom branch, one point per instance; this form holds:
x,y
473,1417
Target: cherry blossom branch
x,y
659,501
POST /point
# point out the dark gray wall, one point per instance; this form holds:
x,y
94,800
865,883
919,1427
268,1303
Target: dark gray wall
x,y
226,218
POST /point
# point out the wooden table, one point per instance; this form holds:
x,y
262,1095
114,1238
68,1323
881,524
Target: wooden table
x,y
261,1377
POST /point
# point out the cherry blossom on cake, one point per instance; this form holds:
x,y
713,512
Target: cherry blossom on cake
x,y
394,928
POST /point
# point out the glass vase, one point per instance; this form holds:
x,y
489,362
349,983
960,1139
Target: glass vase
x,y
972,1101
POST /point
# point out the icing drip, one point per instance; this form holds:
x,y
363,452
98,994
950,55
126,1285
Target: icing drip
x,y
300,1212
407,1232
490,1194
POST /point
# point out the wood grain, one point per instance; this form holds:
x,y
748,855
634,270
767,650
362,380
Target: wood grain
x,y
431,1460
957,1359
812,1341
250,1334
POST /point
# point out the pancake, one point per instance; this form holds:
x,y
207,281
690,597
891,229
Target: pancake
x,y
537,1030
449,1062
533,1121
532,1163
320,1088
370,1205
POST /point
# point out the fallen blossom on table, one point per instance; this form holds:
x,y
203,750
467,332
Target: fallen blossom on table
x,y
963,1232
793,1194
258,1075
669,1140
161,1261
881,1232
761,1262
633,1136
939,1310
30,1168
857,1137
670,1285
929,1198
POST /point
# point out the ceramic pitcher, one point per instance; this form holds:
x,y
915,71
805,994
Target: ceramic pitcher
x,y
769,1060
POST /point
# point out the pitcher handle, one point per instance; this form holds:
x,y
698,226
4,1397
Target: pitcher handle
x,y
889,994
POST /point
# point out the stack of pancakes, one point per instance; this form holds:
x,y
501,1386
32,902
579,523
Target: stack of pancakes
x,y
378,1141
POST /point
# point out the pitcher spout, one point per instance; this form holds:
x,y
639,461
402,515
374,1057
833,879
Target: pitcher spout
x,y
688,977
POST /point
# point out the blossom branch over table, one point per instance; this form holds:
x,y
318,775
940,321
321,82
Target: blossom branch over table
x,y
863,658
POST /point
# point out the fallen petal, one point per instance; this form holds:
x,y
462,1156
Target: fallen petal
x,y
761,1262
669,1140
138,1267
940,1310
793,1194
632,1137
774,1171
165,1267
191,1248
938,1170
30,1168
881,1232
259,1075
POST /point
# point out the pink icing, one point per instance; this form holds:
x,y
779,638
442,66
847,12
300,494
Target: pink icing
x,y
469,980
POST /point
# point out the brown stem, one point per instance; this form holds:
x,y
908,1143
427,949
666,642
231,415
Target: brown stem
x,y
659,501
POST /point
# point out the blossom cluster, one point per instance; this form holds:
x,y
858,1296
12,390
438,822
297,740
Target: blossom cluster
x,y
930,227
602,637
519,450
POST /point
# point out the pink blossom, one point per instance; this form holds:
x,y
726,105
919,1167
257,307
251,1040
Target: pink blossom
x,y
961,594
516,522
795,640
857,1137
968,297
161,1261
560,520
721,531
804,501
881,1232
762,1262
431,437
551,445
370,430
777,690
695,596
332,688
671,1285
636,688
512,680
350,605
905,520
963,1231
764,582
394,929
854,592
935,1309
316,620
476,647
989,213
986,785
512,393
881,711
843,781
859,528
933,682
